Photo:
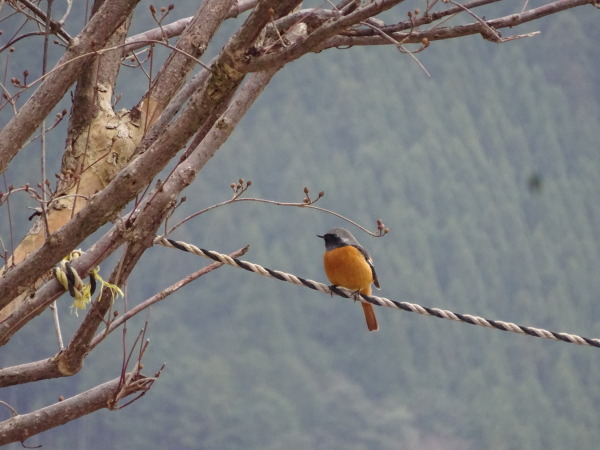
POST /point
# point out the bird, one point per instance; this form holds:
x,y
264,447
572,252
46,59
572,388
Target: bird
x,y
349,265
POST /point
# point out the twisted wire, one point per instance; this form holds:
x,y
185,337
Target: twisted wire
x,y
380,301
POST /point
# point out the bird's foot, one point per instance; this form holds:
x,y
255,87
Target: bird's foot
x,y
331,287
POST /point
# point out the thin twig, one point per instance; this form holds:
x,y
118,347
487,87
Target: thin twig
x,y
490,31
12,410
158,297
56,26
399,46
308,203
116,47
54,309
67,12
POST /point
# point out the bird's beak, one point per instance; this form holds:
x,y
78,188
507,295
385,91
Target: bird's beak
x,y
318,235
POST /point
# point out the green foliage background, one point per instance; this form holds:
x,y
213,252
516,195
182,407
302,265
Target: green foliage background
x,y
488,176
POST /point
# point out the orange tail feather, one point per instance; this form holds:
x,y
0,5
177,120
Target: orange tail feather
x,y
370,317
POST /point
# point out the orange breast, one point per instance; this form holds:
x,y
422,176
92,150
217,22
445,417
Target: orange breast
x,y
347,267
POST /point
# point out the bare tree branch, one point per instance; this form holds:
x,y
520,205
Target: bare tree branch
x,y
30,372
138,174
153,211
201,113
49,367
159,297
441,33
30,116
70,360
426,18
33,306
21,427
174,71
327,30
177,27
102,70
55,27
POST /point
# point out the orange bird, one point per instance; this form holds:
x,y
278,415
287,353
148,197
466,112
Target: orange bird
x,y
348,264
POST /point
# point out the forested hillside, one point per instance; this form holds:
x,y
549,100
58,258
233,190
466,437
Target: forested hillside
x,y
488,176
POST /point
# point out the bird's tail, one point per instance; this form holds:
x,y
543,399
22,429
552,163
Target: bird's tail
x,y
370,317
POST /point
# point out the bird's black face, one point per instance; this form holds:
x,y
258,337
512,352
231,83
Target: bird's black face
x,y
332,241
